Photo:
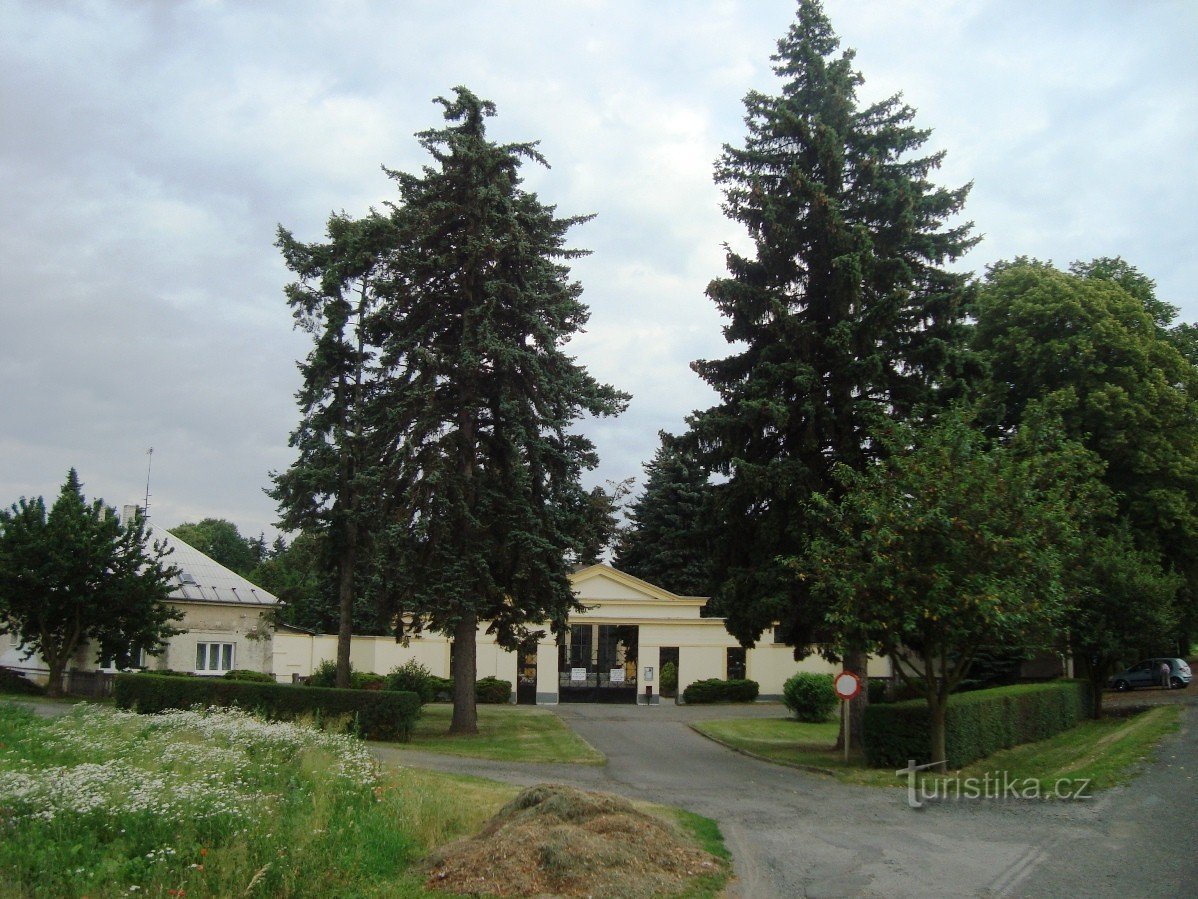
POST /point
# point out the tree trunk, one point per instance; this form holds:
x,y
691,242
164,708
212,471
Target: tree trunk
x,y
465,711
54,684
345,596
856,661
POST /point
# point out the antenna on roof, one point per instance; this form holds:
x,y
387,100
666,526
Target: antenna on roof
x,y
149,462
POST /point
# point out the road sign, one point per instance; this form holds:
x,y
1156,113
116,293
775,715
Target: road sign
x,y
847,685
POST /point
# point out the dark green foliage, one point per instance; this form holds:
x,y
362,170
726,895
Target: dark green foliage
x,y
662,544
325,674
221,541
244,674
843,317
374,715
332,491
493,691
485,509
810,696
413,677
978,723
76,575
669,679
878,689
716,690
13,682
366,680
1095,348
952,544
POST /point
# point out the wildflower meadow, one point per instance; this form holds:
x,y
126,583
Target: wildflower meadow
x,y
195,803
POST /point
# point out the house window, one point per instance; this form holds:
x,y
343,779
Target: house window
x,y
214,657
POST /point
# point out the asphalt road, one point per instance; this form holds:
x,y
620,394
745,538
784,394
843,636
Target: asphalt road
x,y
797,834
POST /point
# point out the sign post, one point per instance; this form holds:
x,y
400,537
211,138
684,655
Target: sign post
x,y
847,686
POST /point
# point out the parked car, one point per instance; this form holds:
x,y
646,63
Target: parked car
x,y
1145,674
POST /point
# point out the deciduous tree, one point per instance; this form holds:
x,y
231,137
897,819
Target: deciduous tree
x,y
950,544
77,574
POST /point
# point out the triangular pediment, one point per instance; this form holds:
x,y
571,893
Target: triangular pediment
x,y
603,583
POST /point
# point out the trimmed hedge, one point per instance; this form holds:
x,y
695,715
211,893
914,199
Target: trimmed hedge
x,y
977,724
810,696
492,690
716,690
244,674
374,715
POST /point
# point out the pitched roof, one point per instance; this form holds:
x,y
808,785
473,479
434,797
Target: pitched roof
x,y
202,579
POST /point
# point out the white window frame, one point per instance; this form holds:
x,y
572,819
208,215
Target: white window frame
x,y
212,654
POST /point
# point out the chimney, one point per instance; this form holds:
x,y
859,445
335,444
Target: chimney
x,y
128,513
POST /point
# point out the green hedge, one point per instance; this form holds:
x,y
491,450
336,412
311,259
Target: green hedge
x,y
716,690
810,696
244,674
374,715
14,682
493,691
978,723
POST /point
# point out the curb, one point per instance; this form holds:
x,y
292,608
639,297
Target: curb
x,y
810,769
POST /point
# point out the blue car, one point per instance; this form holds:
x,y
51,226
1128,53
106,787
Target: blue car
x,y
1146,674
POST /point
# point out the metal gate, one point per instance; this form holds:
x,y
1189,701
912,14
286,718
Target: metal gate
x,y
598,663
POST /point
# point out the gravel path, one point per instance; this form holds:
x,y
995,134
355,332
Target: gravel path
x,y
798,834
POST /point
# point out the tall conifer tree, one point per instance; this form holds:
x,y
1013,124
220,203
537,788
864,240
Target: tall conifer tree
x,y
488,507
661,544
331,488
843,315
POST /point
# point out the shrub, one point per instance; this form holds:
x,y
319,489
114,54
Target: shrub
x,y
879,690
413,677
325,674
493,691
13,682
810,696
365,680
716,690
166,672
669,679
373,716
442,688
978,723
244,674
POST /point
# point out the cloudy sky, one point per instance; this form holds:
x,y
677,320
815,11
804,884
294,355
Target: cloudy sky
x,y
149,149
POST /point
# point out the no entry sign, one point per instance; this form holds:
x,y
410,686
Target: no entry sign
x,y
847,685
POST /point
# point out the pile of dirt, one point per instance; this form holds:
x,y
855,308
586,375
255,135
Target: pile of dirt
x,y
558,841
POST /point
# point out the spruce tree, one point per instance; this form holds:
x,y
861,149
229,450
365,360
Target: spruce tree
x,y
842,317
486,503
330,489
661,544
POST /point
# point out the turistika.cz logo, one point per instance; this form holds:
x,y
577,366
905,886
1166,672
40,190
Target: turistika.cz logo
x,y
991,785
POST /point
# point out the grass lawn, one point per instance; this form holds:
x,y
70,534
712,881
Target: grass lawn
x,y
1106,752
505,733
104,803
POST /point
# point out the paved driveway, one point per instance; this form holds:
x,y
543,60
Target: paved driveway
x,y
798,834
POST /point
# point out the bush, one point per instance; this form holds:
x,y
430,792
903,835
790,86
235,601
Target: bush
x,y
244,674
13,682
373,716
978,723
325,674
365,680
669,679
716,690
442,688
810,696
414,678
493,691
166,672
